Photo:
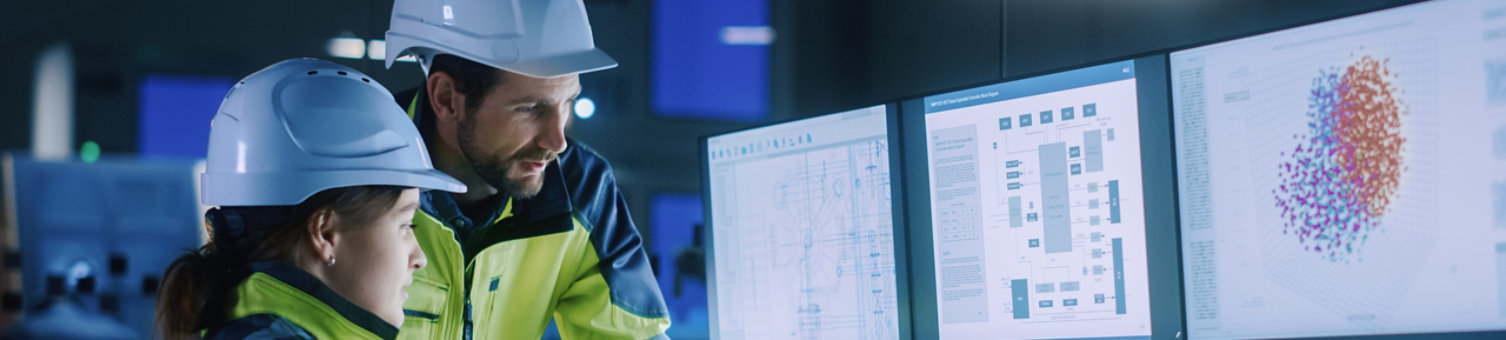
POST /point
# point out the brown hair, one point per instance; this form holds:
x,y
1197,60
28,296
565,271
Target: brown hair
x,y
472,79
193,292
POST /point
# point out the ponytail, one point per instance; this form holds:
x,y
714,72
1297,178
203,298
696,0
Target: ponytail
x,y
193,291
184,293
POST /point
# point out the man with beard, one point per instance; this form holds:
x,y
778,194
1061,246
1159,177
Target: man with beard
x,y
543,233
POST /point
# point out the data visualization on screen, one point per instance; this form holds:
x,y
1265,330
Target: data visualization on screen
x,y
1037,217
1346,177
802,230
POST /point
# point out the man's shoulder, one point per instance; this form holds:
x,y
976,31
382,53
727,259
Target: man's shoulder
x,y
589,180
582,160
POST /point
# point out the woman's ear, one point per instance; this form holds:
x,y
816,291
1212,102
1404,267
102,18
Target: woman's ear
x,y
321,233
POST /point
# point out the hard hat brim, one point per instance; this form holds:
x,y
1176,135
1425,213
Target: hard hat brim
x,y
560,65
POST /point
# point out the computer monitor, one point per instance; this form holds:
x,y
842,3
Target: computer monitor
x,y
1346,177
800,232
1041,207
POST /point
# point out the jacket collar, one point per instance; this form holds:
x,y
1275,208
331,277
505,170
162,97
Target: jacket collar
x,y
288,292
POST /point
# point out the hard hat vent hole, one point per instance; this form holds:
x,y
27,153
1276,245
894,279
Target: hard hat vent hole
x,y
366,80
313,72
341,72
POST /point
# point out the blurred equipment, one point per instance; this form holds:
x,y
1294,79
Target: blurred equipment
x,y
91,239
64,315
676,249
691,262
66,318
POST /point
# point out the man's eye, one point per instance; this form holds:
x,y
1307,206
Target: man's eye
x,y
529,108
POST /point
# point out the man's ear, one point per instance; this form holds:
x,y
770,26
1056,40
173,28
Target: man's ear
x,y
320,230
444,97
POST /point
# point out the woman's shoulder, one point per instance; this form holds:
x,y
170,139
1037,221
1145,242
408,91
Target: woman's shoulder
x,y
259,327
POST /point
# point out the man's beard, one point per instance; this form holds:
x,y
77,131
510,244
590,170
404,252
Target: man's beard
x,y
495,172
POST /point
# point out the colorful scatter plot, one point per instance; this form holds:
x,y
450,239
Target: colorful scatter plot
x,y
1340,179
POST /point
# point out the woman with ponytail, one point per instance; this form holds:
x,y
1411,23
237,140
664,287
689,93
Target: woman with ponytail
x,y
316,175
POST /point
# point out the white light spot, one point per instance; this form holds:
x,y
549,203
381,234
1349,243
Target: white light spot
x,y
585,108
748,35
376,49
346,47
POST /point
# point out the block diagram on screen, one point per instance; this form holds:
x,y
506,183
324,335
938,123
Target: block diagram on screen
x,y
1038,214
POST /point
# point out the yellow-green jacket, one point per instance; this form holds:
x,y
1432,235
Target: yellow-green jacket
x,y
570,253
279,301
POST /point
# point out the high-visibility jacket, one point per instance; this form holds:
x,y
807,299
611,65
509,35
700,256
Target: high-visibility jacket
x,y
279,301
570,253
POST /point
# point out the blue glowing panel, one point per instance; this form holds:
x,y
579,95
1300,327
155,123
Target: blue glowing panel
x,y
175,114
711,59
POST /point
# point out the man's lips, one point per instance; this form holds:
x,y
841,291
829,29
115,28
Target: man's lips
x,y
533,166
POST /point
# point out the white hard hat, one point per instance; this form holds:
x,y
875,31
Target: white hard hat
x,y
536,38
302,126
